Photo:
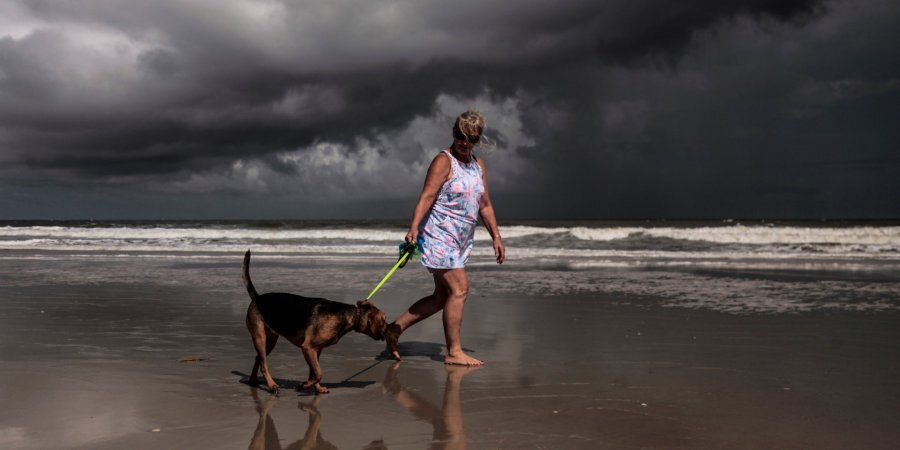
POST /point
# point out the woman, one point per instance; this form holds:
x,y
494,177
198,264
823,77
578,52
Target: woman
x,y
443,223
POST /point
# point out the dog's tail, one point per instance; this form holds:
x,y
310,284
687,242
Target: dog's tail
x,y
246,276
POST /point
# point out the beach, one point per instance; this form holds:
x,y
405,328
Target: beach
x,y
142,348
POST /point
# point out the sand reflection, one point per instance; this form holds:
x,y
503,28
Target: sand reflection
x,y
265,437
447,420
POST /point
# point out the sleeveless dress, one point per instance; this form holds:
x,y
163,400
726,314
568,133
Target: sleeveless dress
x,y
447,233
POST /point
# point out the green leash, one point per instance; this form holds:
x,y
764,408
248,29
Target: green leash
x,y
407,251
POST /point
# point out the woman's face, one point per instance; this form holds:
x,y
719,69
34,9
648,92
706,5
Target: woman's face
x,y
463,144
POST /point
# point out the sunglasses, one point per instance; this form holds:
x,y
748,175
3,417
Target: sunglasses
x,y
458,135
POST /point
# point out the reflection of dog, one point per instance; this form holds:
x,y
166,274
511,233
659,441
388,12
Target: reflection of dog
x,y
266,435
309,323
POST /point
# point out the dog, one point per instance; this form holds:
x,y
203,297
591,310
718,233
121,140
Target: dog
x,y
309,323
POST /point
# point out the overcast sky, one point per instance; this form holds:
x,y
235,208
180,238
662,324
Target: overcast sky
x,y
334,109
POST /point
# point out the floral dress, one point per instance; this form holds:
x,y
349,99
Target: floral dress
x,y
448,231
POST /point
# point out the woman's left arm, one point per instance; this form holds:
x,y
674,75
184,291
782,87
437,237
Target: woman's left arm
x,y
487,216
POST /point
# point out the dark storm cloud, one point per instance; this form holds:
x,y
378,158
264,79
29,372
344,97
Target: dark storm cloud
x,y
641,106
665,29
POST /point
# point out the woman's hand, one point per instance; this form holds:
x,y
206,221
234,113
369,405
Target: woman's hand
x,y
499,251
412,236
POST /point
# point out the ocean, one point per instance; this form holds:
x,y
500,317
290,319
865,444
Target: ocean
x,y
666,334
732,266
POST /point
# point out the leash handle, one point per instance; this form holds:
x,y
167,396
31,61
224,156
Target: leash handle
x,y
409,249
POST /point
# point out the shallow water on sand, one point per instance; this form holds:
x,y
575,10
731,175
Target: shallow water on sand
x,y
141,352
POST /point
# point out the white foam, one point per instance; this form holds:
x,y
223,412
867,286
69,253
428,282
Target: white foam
x,y
743,234
743,264
182,246
159,233
792,245
363,234
736,234
532,253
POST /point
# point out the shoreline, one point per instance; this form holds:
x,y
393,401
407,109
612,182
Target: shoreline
x,y
96,356
404,222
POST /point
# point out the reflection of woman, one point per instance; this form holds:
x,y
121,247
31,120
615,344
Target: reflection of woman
x,y
443,223
447,420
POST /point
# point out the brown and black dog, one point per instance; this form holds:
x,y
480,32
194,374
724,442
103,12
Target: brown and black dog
x,y
309,323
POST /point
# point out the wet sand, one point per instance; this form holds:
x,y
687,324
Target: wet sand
x,y
162,362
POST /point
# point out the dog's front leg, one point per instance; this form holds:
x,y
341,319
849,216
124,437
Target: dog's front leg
x,y
315,371
312,436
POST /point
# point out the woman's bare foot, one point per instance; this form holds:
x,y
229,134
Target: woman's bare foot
x,y
462,359
392,337
455,372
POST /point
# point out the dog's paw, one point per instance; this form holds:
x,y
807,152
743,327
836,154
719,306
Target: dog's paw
x,y
321,389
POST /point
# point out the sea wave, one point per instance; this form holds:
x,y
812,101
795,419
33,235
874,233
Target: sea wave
x,y
736,234
743,234
582,243
169,233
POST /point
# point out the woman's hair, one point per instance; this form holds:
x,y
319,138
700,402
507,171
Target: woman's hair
x,y
471,124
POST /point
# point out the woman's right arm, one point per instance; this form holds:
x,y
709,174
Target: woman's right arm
x,y
438,173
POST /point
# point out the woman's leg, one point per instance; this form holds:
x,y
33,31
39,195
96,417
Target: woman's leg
x,y
419,311
457,291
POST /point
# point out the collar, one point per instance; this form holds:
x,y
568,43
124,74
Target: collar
x,y
357,316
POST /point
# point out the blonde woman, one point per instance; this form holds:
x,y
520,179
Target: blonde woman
x,y
443,223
